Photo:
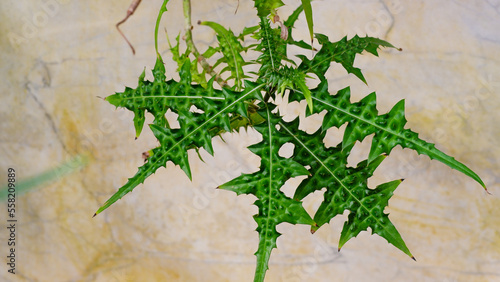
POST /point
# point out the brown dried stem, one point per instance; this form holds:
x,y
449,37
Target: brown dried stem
x,y
130,12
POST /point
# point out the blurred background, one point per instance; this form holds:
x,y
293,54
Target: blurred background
x,y
71,150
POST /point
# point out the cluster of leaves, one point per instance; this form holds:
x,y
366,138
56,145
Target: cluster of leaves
x,y
247,100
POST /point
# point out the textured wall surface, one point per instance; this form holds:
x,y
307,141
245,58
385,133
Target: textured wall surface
x,y
57,56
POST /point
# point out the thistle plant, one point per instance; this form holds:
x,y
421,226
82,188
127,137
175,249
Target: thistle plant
x,y
244,99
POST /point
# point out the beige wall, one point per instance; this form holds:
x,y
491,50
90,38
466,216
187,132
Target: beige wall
x,y
171,229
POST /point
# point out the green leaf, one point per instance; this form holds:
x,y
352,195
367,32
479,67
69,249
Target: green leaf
x,y
158,96
247,31
274,206
362,119
347,187
266,7
309,17
289,23
272,47
182,59
195,129
342,52
306,92
370,213
210,52
231,49
272,71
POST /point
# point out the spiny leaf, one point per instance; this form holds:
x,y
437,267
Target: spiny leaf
x,y
247,31
276,75
343,52
370,213
272,47
194,132
362,120
347,187
289,23
266,7
231,49
158,96
274,206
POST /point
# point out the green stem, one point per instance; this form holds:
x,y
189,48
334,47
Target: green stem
x,y
190,45
163,9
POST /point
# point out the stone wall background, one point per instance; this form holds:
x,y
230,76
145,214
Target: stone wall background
x,y
57,56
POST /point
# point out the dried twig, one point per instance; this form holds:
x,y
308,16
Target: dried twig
x,y
130,11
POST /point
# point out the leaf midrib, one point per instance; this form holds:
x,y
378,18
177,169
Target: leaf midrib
x,y
238,79
213,117
328,59
429,152
137,180
269,46
264,263
437,154
173,97
331,172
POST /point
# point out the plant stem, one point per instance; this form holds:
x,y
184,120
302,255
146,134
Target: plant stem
x,y
190,45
